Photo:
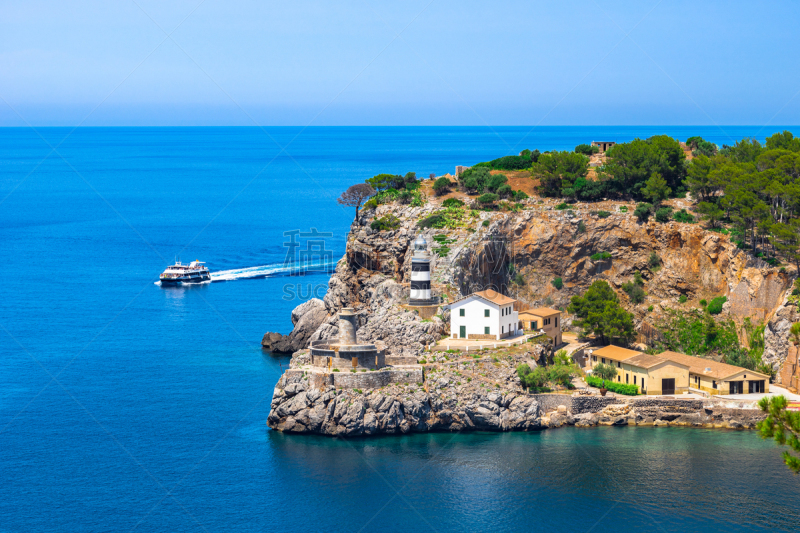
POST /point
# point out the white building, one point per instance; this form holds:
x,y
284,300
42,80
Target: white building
x,y
483,315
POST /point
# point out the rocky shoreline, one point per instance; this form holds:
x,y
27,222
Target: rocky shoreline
x,y
298,407
453,392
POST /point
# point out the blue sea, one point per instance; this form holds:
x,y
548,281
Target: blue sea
x,y
126,406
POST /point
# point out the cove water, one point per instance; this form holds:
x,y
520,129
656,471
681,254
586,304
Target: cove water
x,y
125,406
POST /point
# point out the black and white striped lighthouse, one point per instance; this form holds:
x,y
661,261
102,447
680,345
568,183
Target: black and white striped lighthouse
x,y
420,274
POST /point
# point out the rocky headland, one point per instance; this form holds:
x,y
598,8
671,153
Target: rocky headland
x,y
454,393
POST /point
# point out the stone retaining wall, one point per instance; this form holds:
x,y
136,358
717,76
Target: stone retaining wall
x,y
359,380
593,404
481,337
550,402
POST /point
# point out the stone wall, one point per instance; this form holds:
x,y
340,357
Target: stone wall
x,y
575,404
481,336
550,402
401,361
366,380
592,404
367,358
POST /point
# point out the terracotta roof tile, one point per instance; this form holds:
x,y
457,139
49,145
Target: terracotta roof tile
x,y
615,352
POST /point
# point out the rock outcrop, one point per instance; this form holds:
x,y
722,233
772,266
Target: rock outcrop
x,y
306,318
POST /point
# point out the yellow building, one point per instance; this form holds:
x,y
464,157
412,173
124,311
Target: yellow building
x,y
545,319
674,373
719,378
650,373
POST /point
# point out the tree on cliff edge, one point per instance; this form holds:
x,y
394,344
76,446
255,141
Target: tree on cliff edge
x,y
355,195
598,311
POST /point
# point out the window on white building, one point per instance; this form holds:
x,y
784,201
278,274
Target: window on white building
x,y
485,312
461,312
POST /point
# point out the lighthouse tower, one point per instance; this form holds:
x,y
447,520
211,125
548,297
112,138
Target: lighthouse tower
x,y
420,274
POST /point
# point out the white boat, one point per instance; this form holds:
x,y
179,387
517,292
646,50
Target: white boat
x,y
194,272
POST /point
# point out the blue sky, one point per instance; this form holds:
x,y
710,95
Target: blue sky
x,y
398,63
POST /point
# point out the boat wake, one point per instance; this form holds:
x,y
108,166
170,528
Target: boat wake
x,y
269,271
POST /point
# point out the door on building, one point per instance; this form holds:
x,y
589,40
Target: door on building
x,y
668,386
756,387
736,387
462,332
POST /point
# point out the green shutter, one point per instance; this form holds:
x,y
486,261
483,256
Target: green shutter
x,y
486,330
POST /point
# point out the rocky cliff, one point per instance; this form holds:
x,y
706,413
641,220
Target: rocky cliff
x,y
540,244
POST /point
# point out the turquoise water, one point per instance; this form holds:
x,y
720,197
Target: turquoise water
x,y
127,406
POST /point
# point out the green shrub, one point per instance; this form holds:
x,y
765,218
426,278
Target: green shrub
x,y
715,306
623,209
601,256
442,185
643,211
533,379
562,206
452,202
504,191
587,149
683,216
487,199
682,298
650,309
449,217
442,251
703,303
432,221
561,374
635,292
557,283
496,181
485,223
385,223
520,195
654,260
603,214
581,227
613,386
664,214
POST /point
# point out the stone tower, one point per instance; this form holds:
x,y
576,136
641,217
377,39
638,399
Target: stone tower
x,y
347,327
420,273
